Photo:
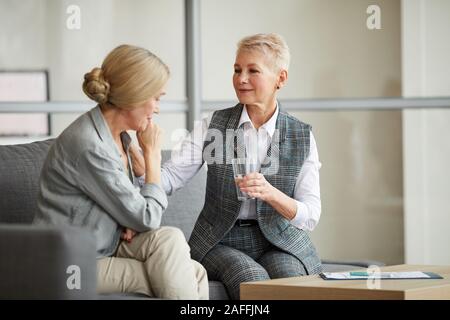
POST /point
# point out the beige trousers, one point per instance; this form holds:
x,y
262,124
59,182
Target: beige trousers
x,y
156,263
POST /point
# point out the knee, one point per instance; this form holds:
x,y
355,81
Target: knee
x,y
282,265
233,277
242,270
200,271
251,273
170,235
173,233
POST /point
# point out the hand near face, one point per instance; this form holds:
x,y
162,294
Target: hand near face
x,y
256,186
150,138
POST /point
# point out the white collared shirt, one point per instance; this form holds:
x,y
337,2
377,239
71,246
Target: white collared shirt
x,y
187,159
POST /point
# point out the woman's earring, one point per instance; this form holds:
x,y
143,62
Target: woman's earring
x,y
278,87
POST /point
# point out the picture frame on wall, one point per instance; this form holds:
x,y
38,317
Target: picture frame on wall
x,y
24,86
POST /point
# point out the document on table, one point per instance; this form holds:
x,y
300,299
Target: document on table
x,y
379,275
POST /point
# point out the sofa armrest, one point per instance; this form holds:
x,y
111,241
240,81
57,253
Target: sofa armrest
x,y
47,263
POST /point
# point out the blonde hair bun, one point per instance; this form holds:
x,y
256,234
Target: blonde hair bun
x,y
95,86
128,77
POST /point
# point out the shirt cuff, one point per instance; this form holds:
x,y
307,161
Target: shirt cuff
x,y
165,182
154,191
300,216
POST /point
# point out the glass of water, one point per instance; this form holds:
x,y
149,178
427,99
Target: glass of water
x,y
241,167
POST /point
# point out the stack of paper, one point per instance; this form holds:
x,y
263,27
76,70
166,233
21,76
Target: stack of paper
x,y
379,275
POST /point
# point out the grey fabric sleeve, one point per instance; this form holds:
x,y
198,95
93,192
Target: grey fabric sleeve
x,y
104,181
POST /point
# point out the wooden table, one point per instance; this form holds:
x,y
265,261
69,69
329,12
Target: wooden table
x,y
314,287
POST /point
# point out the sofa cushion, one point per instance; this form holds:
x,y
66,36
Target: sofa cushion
x,y
185,204
20,167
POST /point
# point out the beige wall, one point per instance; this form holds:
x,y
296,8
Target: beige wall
x,y
361,184
333,53
426,133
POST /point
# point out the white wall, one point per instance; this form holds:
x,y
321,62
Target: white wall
x,y
426,133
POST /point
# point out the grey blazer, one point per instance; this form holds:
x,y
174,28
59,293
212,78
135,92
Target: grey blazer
x,y
84,183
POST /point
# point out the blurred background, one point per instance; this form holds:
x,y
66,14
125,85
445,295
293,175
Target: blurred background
x,y
378,98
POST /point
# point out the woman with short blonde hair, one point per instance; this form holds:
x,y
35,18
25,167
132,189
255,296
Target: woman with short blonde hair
x,y
264,236
89,180
272,45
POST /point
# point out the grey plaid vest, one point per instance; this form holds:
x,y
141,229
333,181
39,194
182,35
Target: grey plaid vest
x,y
221,209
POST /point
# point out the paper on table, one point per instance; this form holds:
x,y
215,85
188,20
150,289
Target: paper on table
x,y
380,275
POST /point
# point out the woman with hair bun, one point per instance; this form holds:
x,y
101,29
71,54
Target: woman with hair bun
x,y
88,180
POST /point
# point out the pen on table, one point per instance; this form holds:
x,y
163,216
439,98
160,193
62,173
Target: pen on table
x,y
359,274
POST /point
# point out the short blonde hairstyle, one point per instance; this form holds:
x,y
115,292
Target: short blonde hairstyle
x,y
272,44
129,76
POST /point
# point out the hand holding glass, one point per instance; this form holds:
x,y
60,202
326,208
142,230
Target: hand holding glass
x,y
241,167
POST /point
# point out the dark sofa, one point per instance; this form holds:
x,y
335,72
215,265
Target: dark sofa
x,y
43,262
